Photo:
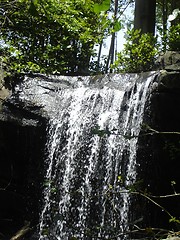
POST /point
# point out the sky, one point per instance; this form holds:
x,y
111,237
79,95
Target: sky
x,y
120,35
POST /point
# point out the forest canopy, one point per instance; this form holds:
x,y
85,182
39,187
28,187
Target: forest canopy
x,y
52,36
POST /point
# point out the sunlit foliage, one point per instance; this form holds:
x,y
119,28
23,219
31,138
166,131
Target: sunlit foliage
x,y
49,35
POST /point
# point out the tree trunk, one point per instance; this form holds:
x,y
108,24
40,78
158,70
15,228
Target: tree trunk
x,y
164,18
145,15
99,55
110,59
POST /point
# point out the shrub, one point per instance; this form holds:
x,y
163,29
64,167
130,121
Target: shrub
x,y
138,54
174,38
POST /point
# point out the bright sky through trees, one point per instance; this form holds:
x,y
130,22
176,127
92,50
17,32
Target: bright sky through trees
x,y
128,15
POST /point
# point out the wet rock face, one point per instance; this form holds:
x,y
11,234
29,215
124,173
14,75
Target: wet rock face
x,y
159,154
22,142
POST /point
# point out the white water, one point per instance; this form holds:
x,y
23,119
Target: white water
x,y
87,176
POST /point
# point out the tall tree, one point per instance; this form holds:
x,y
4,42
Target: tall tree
x,y
145,15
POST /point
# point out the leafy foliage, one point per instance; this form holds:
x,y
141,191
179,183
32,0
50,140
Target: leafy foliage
x,y
138,54
54,36
104,6
48,35
174,38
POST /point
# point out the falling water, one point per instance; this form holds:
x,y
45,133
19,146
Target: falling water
x,y
91,156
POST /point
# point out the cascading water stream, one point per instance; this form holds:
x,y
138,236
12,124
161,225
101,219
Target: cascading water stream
x,y
91,157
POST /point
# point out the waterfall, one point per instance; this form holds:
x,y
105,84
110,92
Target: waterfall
x,y
91,155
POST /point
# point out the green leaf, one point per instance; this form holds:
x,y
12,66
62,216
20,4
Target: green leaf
x,y
117,26
174,219
104,6
100,132
53,190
